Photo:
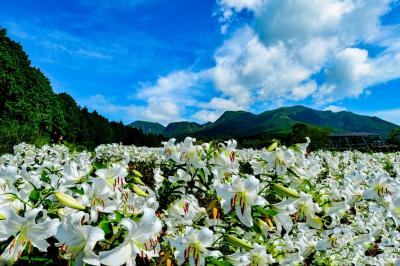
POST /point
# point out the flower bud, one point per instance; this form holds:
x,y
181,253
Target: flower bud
x,y
137,173
273,146
69,201
239,242
61,212
139,191
137,180
285,191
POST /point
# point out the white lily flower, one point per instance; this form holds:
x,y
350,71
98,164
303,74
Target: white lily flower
x,y
279,159
134,203
8,175
379,188
170,150
226,157
158,178
140,240
71,173
115,176
79,240
257,256
260,166
184,211
181,175
190,154
242,194
239,259
283,219
193,247
307,208
97,196
302,147
26,231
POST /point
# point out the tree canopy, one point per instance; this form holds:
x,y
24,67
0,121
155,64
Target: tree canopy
x,y
394,137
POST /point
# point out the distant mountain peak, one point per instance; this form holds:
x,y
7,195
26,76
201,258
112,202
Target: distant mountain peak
x,y
236,124
148,127
228,115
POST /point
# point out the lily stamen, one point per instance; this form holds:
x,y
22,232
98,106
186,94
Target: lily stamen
x,y
29,246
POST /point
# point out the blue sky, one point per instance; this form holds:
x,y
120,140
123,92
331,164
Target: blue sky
x,y
193,59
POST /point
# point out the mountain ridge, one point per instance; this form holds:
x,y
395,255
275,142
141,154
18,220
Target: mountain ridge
x,y
236,124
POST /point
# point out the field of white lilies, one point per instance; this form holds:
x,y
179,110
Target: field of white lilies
x,y
208,204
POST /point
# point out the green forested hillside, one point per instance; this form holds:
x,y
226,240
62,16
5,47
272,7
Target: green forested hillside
x,y
182,129
148,127
30,111
241,124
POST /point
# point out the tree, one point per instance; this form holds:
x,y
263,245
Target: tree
x,y
394,137
319,136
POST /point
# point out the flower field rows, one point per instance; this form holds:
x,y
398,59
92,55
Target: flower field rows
x,y
199,204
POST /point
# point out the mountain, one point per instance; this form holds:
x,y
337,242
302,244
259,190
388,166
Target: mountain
x,y
232,124
236,124
284,118
182,129
148,127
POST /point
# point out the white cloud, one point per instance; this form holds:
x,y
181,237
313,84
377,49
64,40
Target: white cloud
x,y
217,106
314,53
347,77
161,110
291,41
179,85
335,108
157,110
302,91
391,115
207,116
248,71
239,5
220,104
169,96
228,8
298,21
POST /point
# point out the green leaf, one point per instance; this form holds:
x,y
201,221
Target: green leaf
x,y
238,242
34,196
106,226
44,177
213,261
76,190
35,259
118,216
307,183
268,212
256,227
202,176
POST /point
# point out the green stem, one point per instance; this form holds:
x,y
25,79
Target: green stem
x,y
18,199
